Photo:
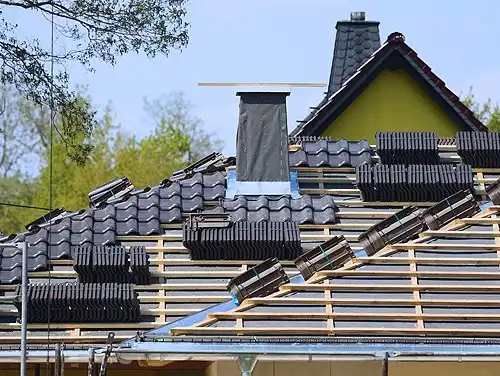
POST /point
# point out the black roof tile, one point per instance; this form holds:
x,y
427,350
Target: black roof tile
x,y
307,209
355,42
325,153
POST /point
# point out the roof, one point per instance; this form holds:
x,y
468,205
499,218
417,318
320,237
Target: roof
x,y
394,52
444,284
330,204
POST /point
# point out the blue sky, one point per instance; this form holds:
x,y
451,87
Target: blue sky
x,y
289,41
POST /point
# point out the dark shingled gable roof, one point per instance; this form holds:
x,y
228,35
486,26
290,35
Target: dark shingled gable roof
x,y
394,53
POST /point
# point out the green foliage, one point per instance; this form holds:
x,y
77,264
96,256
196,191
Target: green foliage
x,y
92,30
487,112
176,140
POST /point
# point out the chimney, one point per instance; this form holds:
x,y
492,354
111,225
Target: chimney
x,y
355,42
262,144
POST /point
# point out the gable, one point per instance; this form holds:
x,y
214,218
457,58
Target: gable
x,y
393,101
394,54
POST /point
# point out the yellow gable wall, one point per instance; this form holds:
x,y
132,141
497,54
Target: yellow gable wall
x,y
394,101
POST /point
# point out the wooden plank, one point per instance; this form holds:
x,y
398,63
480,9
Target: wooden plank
x,y
328,307
361,215
445,246
170,311
427,260
480,177
398,204
421,274
461,234
340,226
184,298
355,316
256,84
167,274
391,287
182,287
479,221
161,268
377,301
333,191
324,331
324,179
322,237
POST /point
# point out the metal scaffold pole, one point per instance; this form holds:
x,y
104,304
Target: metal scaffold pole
x,y
24,307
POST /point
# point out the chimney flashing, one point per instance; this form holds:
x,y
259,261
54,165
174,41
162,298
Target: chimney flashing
x,y
262,166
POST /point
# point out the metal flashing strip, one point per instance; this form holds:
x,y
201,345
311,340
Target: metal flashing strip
x,y
259,188
198,317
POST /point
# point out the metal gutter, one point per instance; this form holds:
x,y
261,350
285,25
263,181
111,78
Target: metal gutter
x,y
356,351
40,356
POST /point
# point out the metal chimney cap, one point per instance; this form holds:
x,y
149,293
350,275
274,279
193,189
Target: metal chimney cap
x,y
357,16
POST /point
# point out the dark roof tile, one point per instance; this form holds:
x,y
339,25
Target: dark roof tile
x,y
354,43
306,209
324,153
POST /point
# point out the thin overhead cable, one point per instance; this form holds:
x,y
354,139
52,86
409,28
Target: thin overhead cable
x,y
23,206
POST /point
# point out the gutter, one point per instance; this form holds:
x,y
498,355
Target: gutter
x,y
307,352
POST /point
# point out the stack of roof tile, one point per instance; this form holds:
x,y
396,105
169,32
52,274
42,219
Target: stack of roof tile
x,y
330,255
397,228
260,280
11,264
412,182
479,149
324,153
101,264
407,147
241,240
75,302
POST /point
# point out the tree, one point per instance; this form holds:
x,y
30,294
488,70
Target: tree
x,y
172,144
95,30
175,109
487,112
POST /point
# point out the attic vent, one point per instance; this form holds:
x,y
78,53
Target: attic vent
x,y
493,192
260,280
115,189
54,214
94,302
330,255
223,240
396,37
399,227
460,205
